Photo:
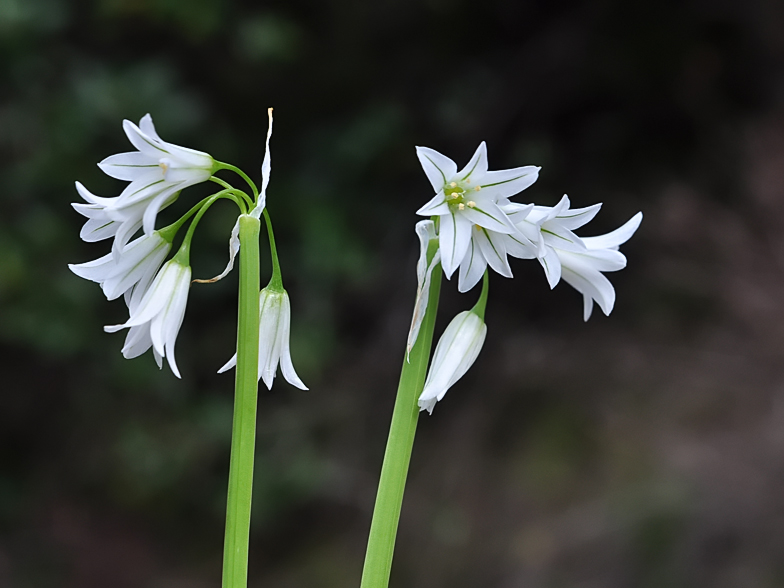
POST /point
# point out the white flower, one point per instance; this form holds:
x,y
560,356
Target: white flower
x,y
456,351
161,309
467,198
104,222
274,327
156,172
138,262
550,228
491,248
583,269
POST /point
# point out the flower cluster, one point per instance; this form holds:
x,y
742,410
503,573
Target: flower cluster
x,y
156,293
477,226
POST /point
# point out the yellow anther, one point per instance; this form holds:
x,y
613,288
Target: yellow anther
x,y
477,188
461,206
164,166
471,204
453,184
468,180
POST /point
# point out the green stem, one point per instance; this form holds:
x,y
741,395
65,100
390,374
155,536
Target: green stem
x,y
389,500
481,304
240,173
228,186
276,281
243,434
170,232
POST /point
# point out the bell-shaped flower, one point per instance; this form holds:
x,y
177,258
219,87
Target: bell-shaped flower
x,y
469,198
551,227
156,172
162,309
138,262
582,269
456,351
102,220
274,329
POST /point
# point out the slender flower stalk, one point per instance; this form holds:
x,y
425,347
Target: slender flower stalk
x,y
243,433
400,443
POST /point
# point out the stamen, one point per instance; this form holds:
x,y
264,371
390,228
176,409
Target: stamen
x,y
477,188
461,206
471,204
453,184
467,180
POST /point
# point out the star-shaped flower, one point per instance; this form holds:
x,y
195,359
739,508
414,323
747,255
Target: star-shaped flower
x,y
469,198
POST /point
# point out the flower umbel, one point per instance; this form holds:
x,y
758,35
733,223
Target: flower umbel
x,y
274,329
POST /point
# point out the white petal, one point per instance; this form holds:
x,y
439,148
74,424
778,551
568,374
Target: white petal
x,y
95,271
229,364
519,246
137,341
577,217
286,367
603,260
125,231
489,215
552,266
98,230
269,342
161,201
472,267
594,284
174,318
142,257
615,238
438,168
493,250
147,145
129,166
555,235
92,198
436,207
454,234
476,168
508,182
148,128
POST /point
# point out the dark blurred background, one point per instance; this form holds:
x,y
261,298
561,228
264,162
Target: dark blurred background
x,y
641,450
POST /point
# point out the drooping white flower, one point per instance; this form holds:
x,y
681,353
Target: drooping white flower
x,y
156,172
274,330
467,198
582,269
456,351
551,227
162,309
138,262
103,222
